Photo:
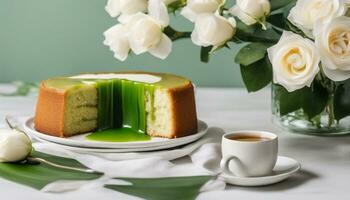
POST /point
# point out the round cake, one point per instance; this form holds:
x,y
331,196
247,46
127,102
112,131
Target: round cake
x,y
154,104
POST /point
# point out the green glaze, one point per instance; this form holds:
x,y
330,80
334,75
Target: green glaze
x,y
167,81
117,103
63,83
118,135
121,111
105,106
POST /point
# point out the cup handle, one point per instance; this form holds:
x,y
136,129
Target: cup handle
x,y
226,161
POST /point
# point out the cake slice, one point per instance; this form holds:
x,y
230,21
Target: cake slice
x,y
156,104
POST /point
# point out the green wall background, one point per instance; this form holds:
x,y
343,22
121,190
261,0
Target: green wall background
x,y
44,38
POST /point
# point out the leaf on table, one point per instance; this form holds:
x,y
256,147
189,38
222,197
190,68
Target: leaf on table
x,y
342,100
170,188
252,53
38,176
257,75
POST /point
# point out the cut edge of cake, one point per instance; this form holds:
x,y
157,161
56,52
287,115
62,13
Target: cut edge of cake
x,y
65,113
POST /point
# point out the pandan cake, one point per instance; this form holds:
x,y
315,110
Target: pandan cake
x,y
155,104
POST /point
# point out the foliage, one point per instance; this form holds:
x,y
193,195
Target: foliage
x,y
38,175
312,100
342,100
170,188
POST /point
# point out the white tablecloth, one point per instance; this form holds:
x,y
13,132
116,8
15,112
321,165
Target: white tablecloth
x,y
325,162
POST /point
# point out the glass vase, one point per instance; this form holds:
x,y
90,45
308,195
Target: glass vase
x,y
323,109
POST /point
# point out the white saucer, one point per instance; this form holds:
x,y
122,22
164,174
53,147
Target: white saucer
x,y
285,167
80,141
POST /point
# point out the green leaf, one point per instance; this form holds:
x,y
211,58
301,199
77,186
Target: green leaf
x,y
277,4
315,99
170,188
342,100
205,53
312,100
291,27
289,101
278,20
37,176
251,53
257,75
254,33
174,34
174,6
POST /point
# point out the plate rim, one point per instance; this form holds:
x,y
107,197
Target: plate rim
x,y
114,150
29,122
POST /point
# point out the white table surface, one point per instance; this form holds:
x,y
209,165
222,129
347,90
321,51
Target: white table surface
x,y
325,162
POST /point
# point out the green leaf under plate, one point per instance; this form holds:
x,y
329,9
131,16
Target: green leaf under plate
x,y
257,75
39,175
252,53
170,188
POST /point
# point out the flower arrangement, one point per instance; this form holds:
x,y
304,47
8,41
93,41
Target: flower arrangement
x,y
302,46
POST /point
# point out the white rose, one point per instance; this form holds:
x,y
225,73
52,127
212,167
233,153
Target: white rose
x,y
14,145
116,38
146,34
333,42
306,12
125,7
294,61
251,11
195,7
141,33
212,30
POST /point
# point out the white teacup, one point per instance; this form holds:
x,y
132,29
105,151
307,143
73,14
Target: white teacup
x,y
249,153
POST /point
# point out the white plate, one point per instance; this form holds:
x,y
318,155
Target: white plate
x,y
105,150
80,141
168,154
285,167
